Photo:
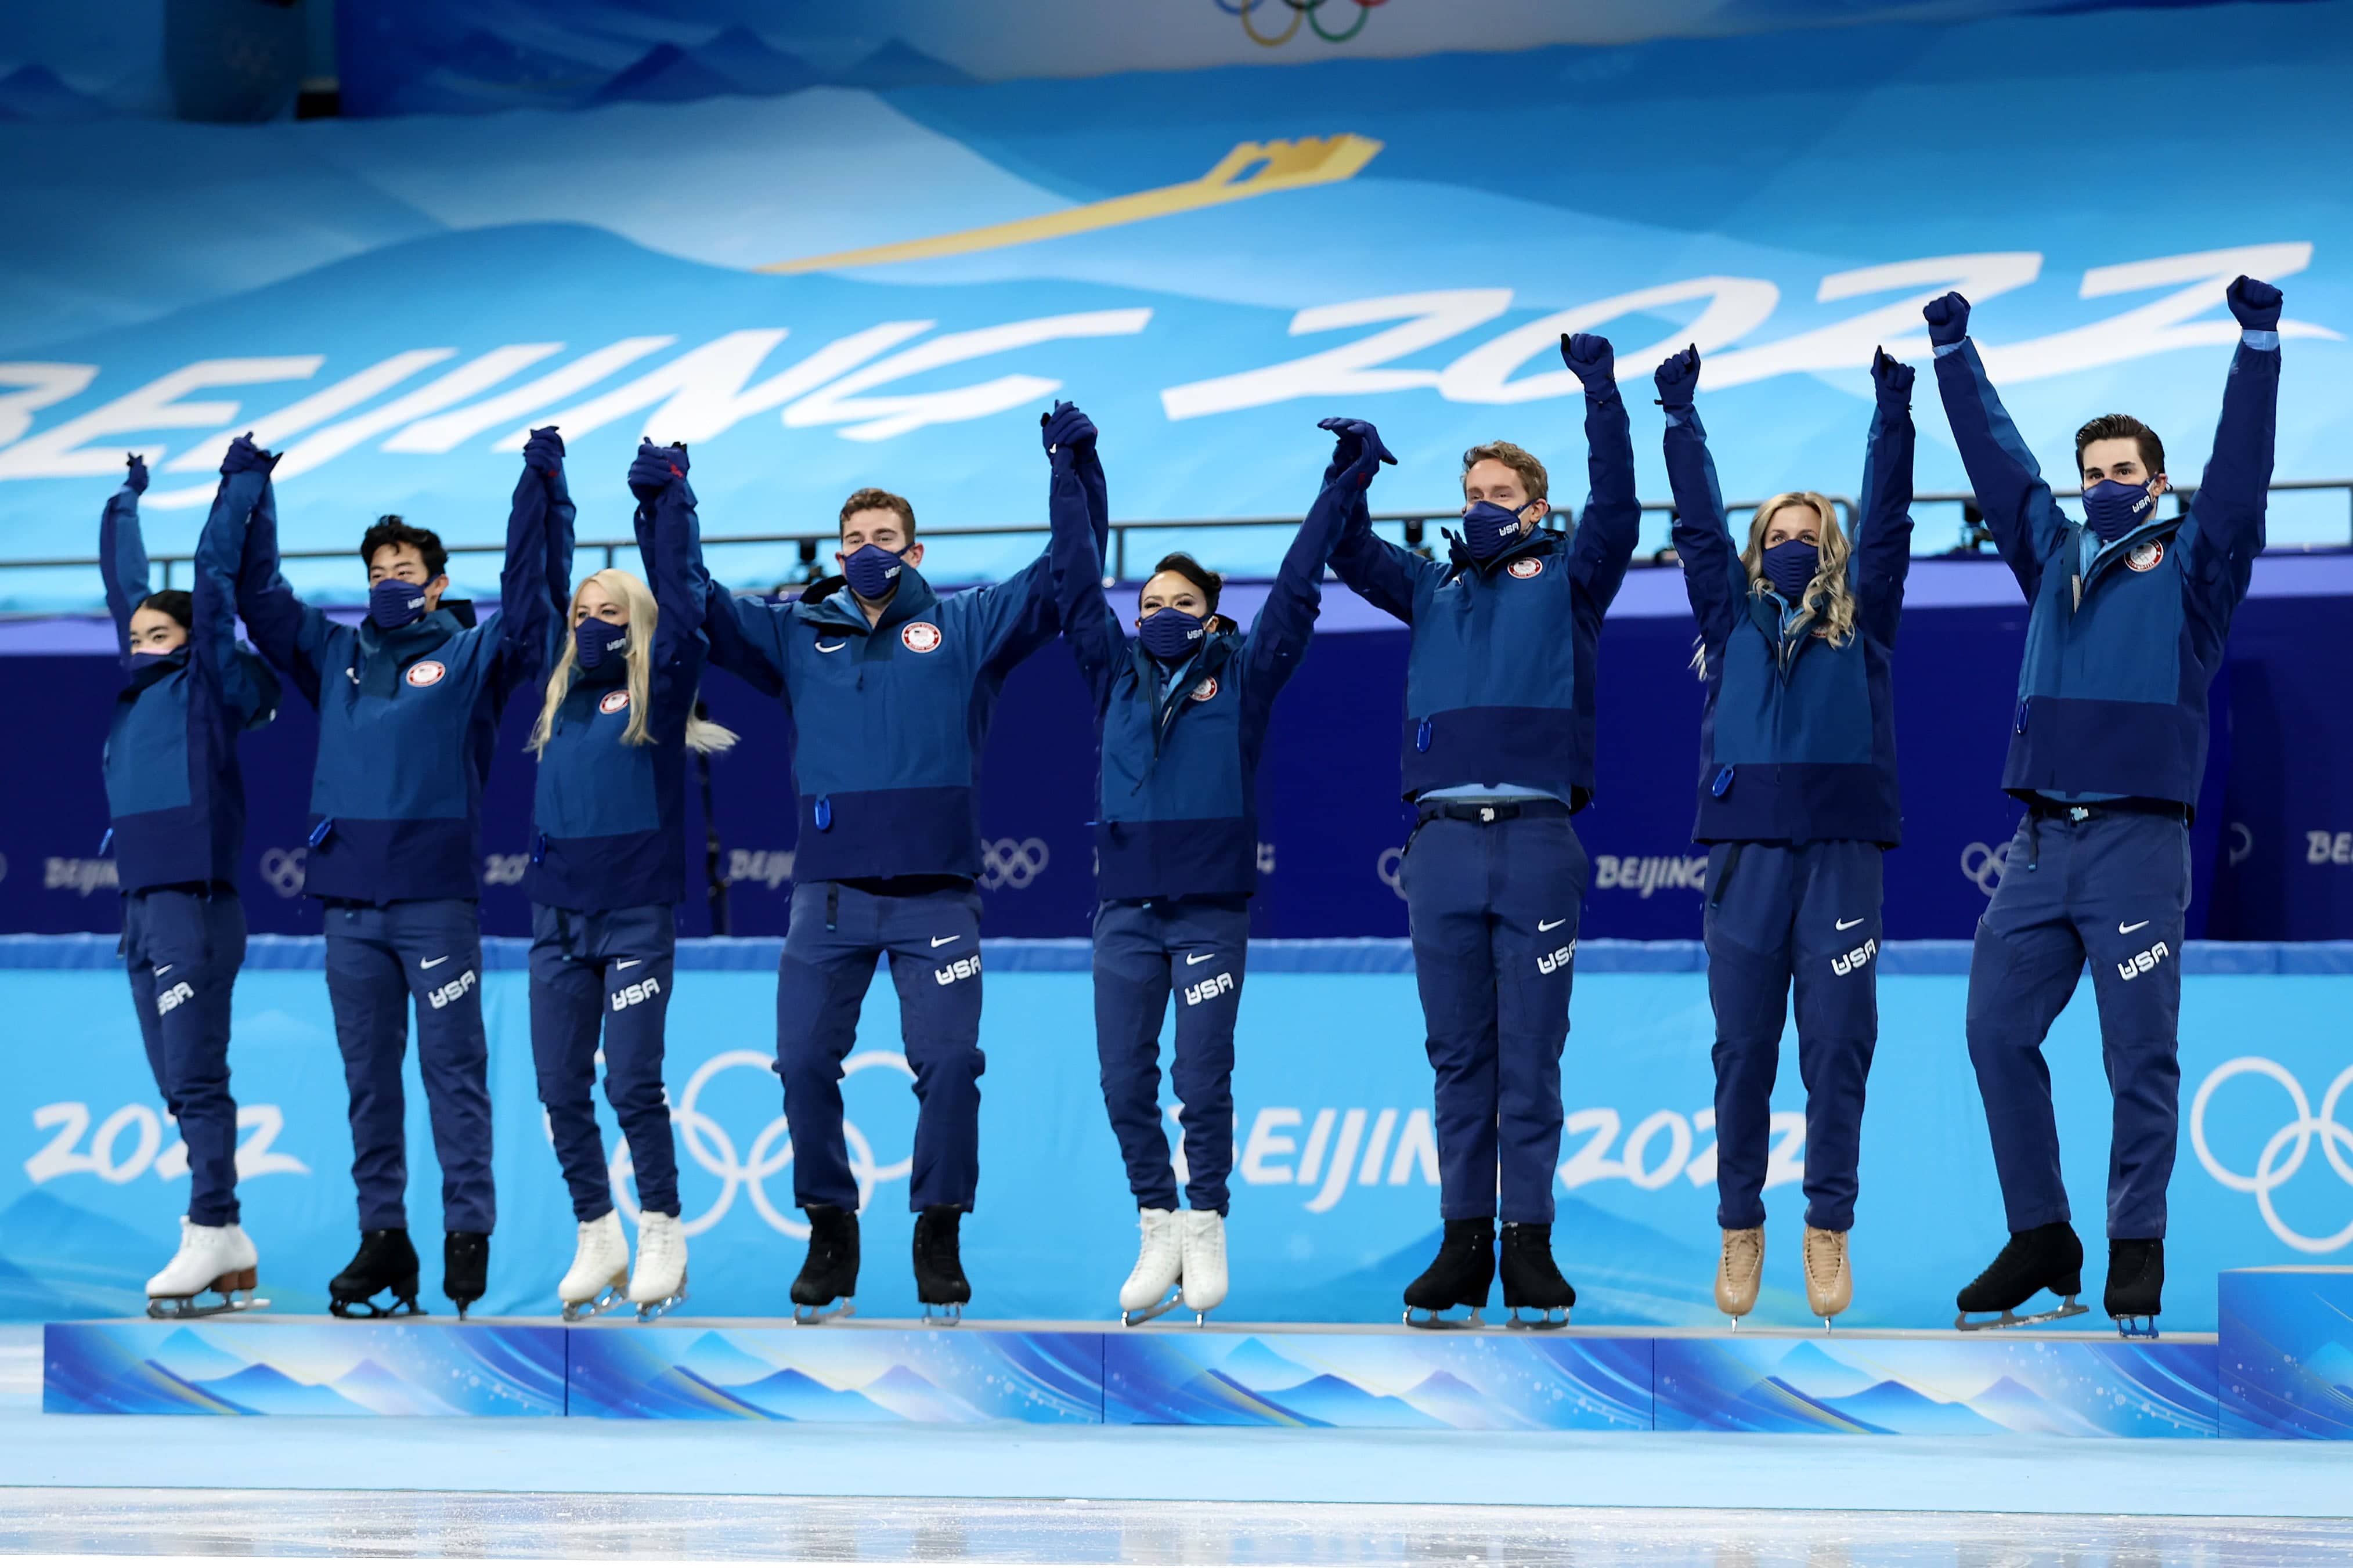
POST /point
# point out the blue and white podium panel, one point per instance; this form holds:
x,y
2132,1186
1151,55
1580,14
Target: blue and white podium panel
x,y
2287,1352
260,1366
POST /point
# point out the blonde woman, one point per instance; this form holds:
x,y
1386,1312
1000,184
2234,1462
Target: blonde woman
x,y
607,871
1797,802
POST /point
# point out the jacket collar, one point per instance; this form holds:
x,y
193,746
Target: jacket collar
x,y
841,611
383,655
2109,554
1216,652
143,673
1461,562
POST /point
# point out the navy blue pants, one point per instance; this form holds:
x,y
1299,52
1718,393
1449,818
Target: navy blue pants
x,y
379,957
1782,916
183,950
1493,907
830,948
2114,889
1143,951
604,972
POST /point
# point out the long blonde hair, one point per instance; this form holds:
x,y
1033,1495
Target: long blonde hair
x,y
1827,601
637,655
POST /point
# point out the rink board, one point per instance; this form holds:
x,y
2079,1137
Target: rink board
x,y
1924,1384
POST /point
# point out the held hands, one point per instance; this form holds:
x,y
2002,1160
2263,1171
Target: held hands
x,y
1677,379
1354,441
1592,358
1892,379
1948,319
136,477
242,456
1066,427
2256,303
655,468
543,453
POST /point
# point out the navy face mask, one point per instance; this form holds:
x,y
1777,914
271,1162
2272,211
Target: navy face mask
x,y
1790,566
1488,530
1170,635
393,604
595,638
873,571
2115,509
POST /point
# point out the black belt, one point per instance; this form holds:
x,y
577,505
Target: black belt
x,y
1488,811
2049,810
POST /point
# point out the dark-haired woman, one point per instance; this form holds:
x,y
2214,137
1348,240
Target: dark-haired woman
x,y
1796,803
178,810
1182,709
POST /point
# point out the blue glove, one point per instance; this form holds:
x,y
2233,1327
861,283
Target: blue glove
x,y
1893,378
1677,379
1066,427
2256,302
1355,438
1592,359
545,451
136,478
1948,319
244,457
655,469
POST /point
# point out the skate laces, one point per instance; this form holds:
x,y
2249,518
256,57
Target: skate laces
x,y
1825,1252
1744,1250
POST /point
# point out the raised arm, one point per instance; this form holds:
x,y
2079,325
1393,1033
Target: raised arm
x,y
1076,503
1883,541
291,634
1612,520
670,542
2027,526
244,685
1279,636
1385,576
123,552
539,545
2225,533
1713,577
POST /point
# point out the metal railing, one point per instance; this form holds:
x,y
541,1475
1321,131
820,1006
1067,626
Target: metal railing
x,y
810,544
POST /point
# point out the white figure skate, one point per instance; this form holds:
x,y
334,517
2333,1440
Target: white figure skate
x,y
1205,1262
658,1282
216,1258
1151,1288
599,1276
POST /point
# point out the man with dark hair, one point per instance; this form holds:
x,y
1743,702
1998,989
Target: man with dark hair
x,y
408,708
1498,754
890,689
2128,613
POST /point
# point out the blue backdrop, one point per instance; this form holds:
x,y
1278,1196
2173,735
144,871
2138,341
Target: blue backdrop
x,y
1334,1197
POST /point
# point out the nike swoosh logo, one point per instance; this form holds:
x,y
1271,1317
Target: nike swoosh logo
x,y
1200,958
629,964
429,962
165,970
834,648
1547,925
2122,930
1844,924
941,941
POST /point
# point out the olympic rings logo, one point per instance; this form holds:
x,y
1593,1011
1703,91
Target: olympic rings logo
x,y
1305,11
707,1143
2278,1162
1012,862
284,870
1389,866
1984,864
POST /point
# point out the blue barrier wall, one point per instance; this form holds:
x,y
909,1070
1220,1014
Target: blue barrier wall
x,y
1335,1195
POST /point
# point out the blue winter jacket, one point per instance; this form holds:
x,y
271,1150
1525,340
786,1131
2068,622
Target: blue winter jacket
x,y
1499,679
1797,740
1178,787
408,720
608,818
2112,692
888,720
173,789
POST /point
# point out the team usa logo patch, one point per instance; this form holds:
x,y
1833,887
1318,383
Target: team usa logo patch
x,y
1526,566
920,636
613,702
1206,690
2141,557
426,672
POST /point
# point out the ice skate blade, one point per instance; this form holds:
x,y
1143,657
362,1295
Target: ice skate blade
x,y
1429,1318
605,1300
810,1316
2135,1327
1128,1319
648,1310
170,1307
943,1314
2011,1319
1538,1324
364,1310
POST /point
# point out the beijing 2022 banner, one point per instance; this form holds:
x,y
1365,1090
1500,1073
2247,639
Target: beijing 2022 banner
x,y
1335,1195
